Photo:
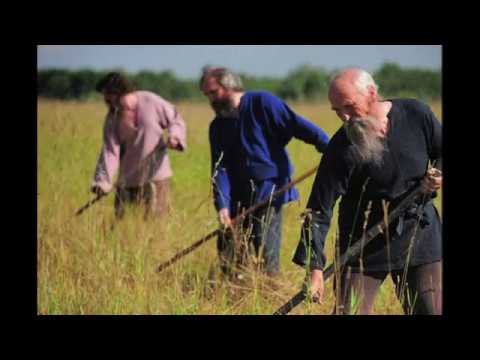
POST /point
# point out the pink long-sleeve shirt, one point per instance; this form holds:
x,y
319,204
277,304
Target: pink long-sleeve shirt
x,y
145,155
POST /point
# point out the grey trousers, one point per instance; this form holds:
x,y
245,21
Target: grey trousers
x,y
153,196
261,231
420,291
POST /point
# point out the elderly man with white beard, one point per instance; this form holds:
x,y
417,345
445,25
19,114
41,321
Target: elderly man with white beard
x,y
373,162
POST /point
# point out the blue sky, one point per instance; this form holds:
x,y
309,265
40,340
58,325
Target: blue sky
x,y
186,61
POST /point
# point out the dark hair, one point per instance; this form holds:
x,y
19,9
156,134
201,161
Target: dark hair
x,y
225,77
115,83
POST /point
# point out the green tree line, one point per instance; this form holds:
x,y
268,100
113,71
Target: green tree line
x,y
305,83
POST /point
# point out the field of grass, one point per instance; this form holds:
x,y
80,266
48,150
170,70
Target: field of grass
x,y
87,267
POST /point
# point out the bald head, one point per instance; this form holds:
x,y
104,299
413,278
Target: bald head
x,y
348,74
351,93
355,78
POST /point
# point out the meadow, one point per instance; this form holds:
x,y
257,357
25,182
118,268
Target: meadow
x,y
86,266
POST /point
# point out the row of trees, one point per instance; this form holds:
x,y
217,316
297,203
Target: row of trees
x,y
303,83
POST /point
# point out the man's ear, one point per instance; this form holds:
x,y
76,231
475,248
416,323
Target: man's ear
x,y
372,91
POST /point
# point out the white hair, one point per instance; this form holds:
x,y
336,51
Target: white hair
x,y
367,146
362,79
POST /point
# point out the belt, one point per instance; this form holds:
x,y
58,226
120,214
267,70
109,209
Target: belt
x,y
412,213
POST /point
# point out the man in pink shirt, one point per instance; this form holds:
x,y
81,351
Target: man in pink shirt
x,y
134,144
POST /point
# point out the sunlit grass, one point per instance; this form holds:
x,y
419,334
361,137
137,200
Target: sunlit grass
x,y
87,266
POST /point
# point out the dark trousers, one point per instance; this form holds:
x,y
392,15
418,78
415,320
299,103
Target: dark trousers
x,y
419,290
261,231
153,196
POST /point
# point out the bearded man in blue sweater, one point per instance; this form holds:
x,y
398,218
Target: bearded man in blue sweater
x,y
249,161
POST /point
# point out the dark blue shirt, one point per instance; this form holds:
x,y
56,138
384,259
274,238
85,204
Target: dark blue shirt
x,y
414,137
249,158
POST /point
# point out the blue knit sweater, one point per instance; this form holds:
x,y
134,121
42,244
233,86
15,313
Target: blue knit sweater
x,y
249,158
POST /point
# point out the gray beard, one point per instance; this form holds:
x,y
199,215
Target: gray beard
x,y
368,147
229,113
225,109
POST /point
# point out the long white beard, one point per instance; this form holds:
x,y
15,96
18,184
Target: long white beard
x,y
369,147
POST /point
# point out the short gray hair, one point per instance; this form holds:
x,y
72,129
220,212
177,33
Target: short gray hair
x,y
225,77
